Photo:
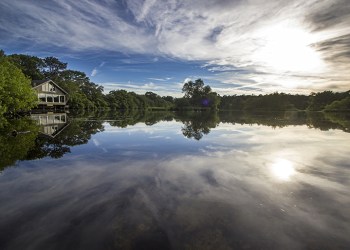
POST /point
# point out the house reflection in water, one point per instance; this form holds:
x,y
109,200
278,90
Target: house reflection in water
x,y
51,124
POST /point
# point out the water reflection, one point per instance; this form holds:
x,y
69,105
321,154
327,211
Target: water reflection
x,y
16,138
243,185
51,124
282,169
40,134
198,124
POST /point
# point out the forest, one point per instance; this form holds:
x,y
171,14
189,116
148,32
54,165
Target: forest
x,y
17,71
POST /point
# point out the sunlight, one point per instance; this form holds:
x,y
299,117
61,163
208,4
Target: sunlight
x,y
282,169
287,48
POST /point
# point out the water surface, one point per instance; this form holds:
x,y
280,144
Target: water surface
x,y
175,181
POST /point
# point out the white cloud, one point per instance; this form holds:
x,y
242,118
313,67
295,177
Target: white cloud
x,y
141,88
160,79
274,40
187,80
75,25
94,72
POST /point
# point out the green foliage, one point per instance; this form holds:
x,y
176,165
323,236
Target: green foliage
x,y
154,100
15,147
280,101
271,102
182,103
123,100
199,95
53,67
342,105
16,93
31,66
83,94
318,101
120,99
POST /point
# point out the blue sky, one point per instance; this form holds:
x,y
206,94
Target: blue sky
x,y
235,46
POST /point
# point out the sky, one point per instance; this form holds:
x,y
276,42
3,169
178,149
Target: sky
x,y
235,46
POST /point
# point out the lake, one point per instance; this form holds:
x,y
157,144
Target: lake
x,y
164,180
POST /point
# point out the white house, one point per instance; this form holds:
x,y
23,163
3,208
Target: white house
x,y
50,94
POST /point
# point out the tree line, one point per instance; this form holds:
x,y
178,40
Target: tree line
x,y
18,70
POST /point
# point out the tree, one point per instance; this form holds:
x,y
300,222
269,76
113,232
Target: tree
x,y
120,99
82,92
31,66
52,67
200,95
342,105
318,101
16,93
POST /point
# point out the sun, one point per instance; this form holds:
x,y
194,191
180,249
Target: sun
x,y
287,47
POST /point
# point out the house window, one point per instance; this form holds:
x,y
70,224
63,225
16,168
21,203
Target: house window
x,y
56,99
42,97
61,98
49,98
52,88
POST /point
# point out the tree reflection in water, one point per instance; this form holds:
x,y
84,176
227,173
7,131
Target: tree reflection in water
x,y
31,142
198,124
15,146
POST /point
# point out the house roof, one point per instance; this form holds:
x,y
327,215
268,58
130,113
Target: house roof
x,y
36,83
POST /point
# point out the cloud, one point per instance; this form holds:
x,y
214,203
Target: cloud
x,y
190,192
140,88
261,40
74,25
161,79
94,72
187,80
329,14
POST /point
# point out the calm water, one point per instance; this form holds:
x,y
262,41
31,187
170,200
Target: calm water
x,y
175,181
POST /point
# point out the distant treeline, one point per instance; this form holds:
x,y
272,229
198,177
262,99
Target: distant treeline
x,y
18,70
326,100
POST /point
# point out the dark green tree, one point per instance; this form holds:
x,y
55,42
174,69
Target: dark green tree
x,y
52,67
16,93
120,99
83,93
342,105
31,66
318,101
200,95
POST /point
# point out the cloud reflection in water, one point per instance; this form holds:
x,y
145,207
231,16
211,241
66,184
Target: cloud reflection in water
x,y
282,169
217,193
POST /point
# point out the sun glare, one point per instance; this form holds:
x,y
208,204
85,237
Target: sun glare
x,y
287,48
282,169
